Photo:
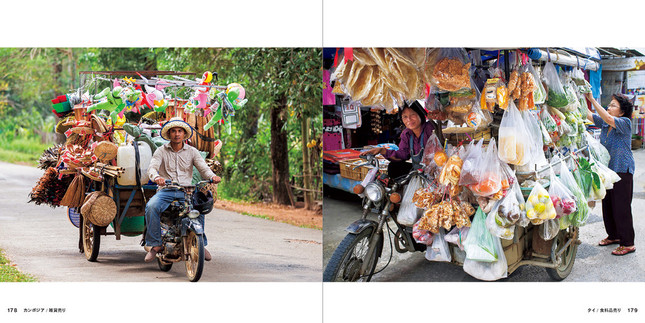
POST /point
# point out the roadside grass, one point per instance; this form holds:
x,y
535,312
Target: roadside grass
x,y
22,150
9,273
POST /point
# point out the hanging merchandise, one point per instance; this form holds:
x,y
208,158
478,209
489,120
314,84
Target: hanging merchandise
x,y
480,243
488,271
421,236
448,69
549,229
562,198
539,206
539,95
582,84
439,251
597,150
514,144
408,213
351,115
457,236
578,217
556,96
488,174
502,218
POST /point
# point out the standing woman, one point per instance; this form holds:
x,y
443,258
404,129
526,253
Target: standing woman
x,y
616,135
413,139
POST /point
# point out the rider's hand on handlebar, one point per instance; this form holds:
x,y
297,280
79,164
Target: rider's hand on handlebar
x,y
160,181
216,179
374,151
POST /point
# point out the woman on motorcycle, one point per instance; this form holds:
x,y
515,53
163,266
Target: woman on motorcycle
x,y
413,139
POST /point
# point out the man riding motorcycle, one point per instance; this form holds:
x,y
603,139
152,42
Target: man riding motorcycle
x,y
173,161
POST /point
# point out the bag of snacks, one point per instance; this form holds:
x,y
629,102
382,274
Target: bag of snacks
x,y
502,218
471,162
549,229
514,144
539,95
448,69
556,96
421,236
457,236
562,197
539,206
439,250
488,174
480,244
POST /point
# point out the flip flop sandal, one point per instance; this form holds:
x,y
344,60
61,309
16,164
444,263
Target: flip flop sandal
x,y
621,251
607,242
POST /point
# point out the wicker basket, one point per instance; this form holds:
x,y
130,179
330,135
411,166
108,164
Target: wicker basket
x,y
348,170
99,208
465,135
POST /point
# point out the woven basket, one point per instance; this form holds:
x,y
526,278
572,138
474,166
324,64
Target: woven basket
x,y
106,151
99,208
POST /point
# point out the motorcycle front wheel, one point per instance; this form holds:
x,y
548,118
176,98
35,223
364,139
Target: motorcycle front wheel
x,y
91,236
195,256
349,257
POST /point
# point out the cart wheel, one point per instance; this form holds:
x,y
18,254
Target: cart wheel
x,y
91,240
164,266
568,257
195,256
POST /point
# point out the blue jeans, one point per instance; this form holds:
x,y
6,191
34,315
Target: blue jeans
x,y
155,206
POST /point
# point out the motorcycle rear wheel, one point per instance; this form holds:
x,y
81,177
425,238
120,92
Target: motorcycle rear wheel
x,y
349,257
91,240
195,256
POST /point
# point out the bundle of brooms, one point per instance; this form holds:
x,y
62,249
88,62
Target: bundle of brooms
x,y
49,189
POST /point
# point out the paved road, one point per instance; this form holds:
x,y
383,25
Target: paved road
x,y
592,264
43,242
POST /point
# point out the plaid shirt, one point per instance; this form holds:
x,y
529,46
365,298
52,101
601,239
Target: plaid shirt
x,y
178,165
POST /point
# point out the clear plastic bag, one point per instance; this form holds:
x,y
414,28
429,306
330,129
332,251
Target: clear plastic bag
x,y
480,243
562,198
501,220
421,236
472,160
539,206
514,144
432,146
536,156
609,177
439,250
457,236
598,151
408,212
556,96
549,124
539,95
578,77
488,173
579,217
448,69
549,229
488,271
524,220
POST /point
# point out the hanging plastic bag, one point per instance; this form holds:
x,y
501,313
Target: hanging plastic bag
x,y
448,69
480,244
561,196
474,155
439,250
457,236
524,220
578,77
535,138
609,177
539,206
435,103
539,95
579,217
556,96
501,220
488,271
549,229
488,174
421,236
432,147
598,151
514,145
408,212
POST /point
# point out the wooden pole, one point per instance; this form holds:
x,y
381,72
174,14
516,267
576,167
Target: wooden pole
x,y
304,123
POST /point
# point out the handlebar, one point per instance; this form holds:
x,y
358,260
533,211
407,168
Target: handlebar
x,y
170,184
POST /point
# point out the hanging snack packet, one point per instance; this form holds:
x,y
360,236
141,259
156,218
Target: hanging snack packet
x,y
448,69
557,96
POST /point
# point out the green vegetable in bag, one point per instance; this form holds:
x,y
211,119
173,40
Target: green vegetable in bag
x,y
479,244
579,217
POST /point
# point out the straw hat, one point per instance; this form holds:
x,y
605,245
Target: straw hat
x,y
105,151
173,123
99,208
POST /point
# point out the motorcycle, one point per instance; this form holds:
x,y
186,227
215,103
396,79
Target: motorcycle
x,y
181,233
356,257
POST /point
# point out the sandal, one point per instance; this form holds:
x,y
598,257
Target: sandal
x,y
621,251
606,242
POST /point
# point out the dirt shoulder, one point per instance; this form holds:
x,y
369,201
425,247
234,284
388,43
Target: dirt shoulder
x,y
296,216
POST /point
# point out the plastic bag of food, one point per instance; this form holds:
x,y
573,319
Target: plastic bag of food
x,y
562,198
578,77
536,156
439,250
527,86
524,220
433,146
549,229
539,95
488,174
480,243
448,69
501,220
488,271
608,176
539,206
457,236
514,144
556,96
408,212
598,151
421,236
471,162
579,217
435,103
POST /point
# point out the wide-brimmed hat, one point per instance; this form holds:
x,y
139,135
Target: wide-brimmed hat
x,y
173,123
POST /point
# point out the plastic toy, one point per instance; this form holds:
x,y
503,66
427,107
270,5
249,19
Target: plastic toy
x,y
113,102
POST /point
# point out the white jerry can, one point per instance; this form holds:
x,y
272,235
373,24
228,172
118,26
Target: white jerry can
x,y
126,158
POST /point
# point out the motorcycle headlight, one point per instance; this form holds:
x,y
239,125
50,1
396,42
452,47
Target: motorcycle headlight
x,y
374,192
193,214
